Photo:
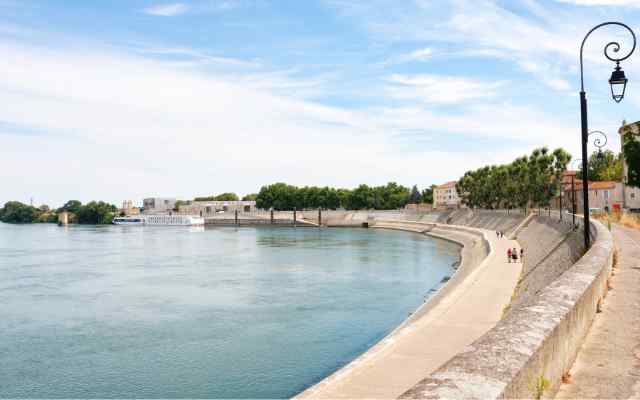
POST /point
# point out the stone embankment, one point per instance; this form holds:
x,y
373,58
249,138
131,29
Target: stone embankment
x,y
464,309
527,354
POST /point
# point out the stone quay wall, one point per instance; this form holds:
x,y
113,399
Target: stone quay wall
x,y
527,353
475,248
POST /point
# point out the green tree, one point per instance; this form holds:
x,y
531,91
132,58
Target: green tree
x,y
72,206
96,213
414,196
278,196
362,197
427,195
605,166
176,207
227,197
344,197
250,197
631,151
221,197
528,180
18,213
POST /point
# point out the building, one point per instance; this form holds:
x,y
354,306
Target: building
x,y
209,208
630,194
128,208
159,205
446,196
605,195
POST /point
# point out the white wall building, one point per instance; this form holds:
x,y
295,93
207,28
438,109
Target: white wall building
x,y
209,208
155,205
446,196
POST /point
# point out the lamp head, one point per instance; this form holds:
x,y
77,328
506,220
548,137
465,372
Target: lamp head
x,y
618,82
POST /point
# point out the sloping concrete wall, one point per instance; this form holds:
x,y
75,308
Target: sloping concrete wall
x,y
527,353
551,248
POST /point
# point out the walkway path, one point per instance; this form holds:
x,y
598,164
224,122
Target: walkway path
x,y
418,348
608,364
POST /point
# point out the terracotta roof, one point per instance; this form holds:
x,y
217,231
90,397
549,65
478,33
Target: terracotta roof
x,y
596,185
447,185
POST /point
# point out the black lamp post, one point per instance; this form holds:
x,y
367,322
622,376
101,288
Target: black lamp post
x,y
618,82
598,142
573,193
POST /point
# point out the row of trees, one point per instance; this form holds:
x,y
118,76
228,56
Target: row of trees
x,y
281,196
229,196
94,213
528,181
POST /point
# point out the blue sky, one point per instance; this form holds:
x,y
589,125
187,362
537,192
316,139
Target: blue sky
x,y
123,99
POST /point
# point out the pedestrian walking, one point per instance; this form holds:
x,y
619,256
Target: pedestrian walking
x,y
509,256
522,255
498,234
514,254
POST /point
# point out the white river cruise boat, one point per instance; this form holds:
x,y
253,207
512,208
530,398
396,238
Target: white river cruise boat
x,y
176,220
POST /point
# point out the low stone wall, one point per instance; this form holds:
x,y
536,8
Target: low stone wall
x,y
527,353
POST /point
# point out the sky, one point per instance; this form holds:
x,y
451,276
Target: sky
x,y
126,99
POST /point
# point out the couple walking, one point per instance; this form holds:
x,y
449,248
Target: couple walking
x,y
512,254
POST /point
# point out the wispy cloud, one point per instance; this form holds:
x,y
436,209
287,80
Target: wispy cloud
x,y
239,134
167,10
422,54
632,3
439,89
193,55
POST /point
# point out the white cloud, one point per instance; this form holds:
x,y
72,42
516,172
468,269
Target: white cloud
x,y
633,3
484,28
439,89
166,10
120,126
422,54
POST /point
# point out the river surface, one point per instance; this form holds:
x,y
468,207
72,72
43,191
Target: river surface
x,y
184,312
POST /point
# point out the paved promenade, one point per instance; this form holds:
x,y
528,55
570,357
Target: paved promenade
x,y
419,347
608,364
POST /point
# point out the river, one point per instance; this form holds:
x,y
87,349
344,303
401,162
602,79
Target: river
x,y
112,311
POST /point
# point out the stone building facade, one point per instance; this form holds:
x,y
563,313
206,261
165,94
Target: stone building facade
x,y
158,205
210,208
446,196
603,196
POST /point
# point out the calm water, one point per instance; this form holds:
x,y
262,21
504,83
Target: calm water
x,y
193,312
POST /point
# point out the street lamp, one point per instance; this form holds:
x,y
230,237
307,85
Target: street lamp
x,y
573,191
618,82
599,142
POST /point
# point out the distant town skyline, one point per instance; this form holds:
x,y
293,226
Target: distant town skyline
x,y
130,99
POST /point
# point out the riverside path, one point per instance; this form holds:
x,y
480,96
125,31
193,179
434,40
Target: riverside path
x,y
608,364
468,310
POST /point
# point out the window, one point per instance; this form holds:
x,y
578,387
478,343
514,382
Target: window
x,y
606,194
633,195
